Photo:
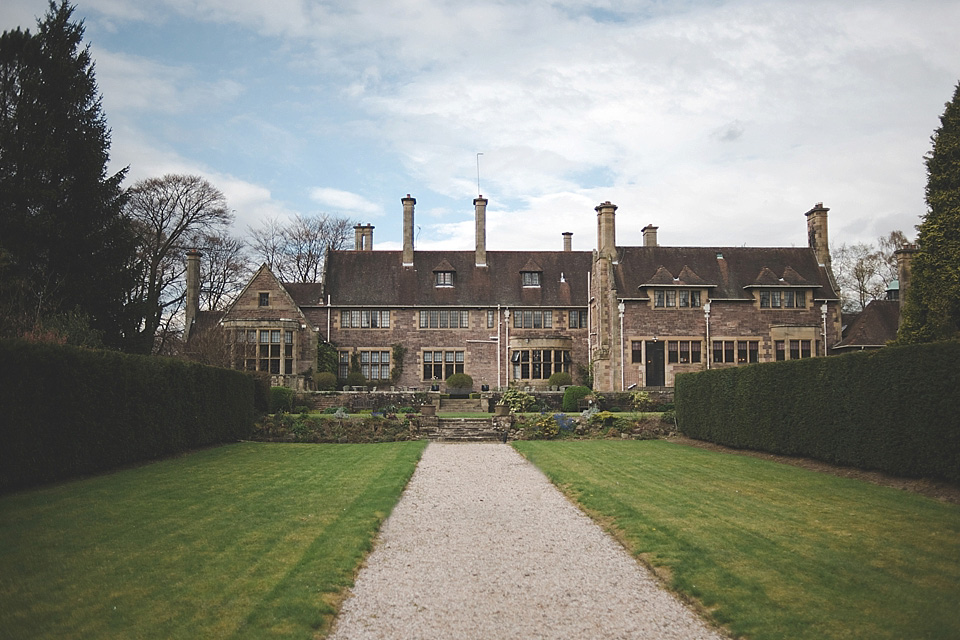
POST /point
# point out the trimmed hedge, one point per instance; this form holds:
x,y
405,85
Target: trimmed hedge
x,y
572,397
66,411
896,409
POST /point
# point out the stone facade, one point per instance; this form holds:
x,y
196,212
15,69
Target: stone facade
x,y
634,317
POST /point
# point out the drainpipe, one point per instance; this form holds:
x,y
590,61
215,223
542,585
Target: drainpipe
x,y
499,365
823,316
706,315
589,320
621,307
328,318
506,317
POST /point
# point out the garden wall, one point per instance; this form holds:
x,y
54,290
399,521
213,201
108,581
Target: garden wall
x,y
896,409
66,411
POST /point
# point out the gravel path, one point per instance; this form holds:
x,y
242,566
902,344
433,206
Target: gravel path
x,y
481,545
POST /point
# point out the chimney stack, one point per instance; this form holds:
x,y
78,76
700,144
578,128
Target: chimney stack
x,y
606,230
480,205
568,241
650,236
408,204
904,258
817,234
363,237
193,292
368,237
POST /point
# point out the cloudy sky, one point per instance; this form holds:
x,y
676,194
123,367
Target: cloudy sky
x,y
721,122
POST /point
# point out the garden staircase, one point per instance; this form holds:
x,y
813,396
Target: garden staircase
x,y
464,430
461,405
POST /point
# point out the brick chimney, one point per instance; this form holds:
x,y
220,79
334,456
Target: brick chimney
x,y
193,292
480,206
817,234
568,241
904,258
363,237
606,230
368,237
408,204
650,236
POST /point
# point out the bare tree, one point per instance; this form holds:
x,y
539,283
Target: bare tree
x,y
170,215
888,246
224,270
296,250
268,243
865,272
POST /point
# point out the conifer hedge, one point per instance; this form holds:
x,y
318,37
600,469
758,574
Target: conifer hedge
x,y
66,411
896,409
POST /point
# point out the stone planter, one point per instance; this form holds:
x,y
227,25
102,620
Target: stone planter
x,y
501,410
428,410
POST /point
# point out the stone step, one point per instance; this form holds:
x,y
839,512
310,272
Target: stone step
x,y
464,430
461,405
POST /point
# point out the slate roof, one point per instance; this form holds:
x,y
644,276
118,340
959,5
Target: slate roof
x,y
729,270
377,278
873,327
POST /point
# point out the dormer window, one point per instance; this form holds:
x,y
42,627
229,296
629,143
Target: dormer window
x,y
530,278
444,278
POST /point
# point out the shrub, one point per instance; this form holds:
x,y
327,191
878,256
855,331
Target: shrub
x,y
560,379
69,411
356,379
547,427
324,381
640,401
459,381
281,399
572,397
518,401
893,409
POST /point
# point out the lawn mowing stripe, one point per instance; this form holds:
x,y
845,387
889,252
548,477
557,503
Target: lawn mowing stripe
x,y
181,548
775,550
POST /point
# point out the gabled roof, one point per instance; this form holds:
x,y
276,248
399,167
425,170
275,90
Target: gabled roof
x,y
246,306
661,277
689,278
531,265
729,269
766,278
873,327
443,267
377,278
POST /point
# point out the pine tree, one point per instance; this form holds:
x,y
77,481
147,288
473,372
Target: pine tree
x,y
64,240
932,310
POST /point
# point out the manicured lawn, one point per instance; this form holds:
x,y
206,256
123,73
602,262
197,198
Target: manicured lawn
x,y
771,550
243,541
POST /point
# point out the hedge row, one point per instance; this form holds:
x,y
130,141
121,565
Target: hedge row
x,y
66,411
895,409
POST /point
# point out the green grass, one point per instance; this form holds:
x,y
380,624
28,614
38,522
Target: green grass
x,y
772,551
243,541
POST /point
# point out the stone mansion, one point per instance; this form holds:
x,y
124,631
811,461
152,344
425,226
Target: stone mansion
x,y
634,316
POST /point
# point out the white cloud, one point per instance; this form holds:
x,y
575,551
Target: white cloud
x,y
344,202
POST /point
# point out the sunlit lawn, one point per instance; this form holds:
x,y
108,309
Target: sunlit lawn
x,y
772,551
242,541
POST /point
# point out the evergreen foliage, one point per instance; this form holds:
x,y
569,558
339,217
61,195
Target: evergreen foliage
x,y
64,241
572,397
932,310
893,409
68,411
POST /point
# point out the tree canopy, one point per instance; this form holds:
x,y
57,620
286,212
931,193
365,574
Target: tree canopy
x,y
932,309
64,241
171,215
